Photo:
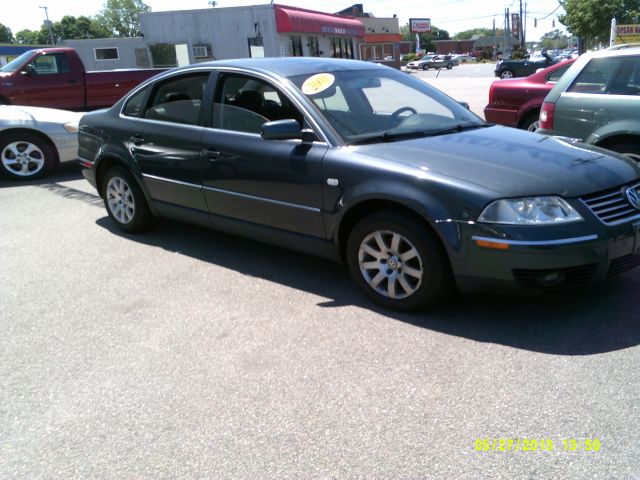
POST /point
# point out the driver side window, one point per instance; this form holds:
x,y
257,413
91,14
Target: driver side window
x,y
244,104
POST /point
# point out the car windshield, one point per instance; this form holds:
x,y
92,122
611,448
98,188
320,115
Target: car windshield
x,y
17,62
383,104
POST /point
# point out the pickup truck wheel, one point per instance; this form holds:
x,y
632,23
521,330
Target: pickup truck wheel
x,y
125,202
628,149
398,263
531,122
506,74
25,155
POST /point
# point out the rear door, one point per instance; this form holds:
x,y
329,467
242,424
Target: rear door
x,y
165,136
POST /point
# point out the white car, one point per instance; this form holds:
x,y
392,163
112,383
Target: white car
x,y
422,63
33,140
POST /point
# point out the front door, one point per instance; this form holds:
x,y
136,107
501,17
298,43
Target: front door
x,y
274,183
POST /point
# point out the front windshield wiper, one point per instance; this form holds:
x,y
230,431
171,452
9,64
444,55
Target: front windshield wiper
x,y
390,136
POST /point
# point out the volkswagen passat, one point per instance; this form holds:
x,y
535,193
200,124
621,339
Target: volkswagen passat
x,y
362,163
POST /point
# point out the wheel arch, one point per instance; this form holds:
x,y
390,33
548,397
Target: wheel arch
x,y
38,133
530,112
108,160
365,207
613,139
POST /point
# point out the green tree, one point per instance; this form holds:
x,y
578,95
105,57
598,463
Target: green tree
x,y
121,18
467,34
72,28
426,39
33,37
554,39
591,19
5,34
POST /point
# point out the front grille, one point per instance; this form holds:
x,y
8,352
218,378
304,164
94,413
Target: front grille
x,y
622,264
553,279
611,206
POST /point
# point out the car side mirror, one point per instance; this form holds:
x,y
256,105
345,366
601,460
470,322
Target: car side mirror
x,y
28,70
286,130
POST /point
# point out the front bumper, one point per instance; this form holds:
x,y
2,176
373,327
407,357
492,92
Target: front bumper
x,y
543,264
89,172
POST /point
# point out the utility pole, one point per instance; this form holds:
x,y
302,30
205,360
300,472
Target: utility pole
x,y
46,14
520,29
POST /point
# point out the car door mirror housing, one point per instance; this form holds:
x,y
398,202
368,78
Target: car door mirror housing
x,y
28,70
281,130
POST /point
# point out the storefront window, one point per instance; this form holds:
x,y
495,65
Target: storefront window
x,y
314,47
295,46
341,47
375,53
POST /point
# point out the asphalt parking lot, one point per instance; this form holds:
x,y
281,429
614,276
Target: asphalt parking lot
x,y
187,353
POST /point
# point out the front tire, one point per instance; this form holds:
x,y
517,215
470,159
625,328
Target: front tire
x,y
398,263
125,202
25,155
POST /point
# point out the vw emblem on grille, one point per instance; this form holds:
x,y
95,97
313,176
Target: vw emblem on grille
x,y
633,197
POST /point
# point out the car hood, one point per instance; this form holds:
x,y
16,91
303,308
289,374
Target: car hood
x,y
510,162
15,114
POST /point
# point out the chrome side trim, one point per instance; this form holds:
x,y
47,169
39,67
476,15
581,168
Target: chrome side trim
x,y
262,199
84,160
538,243
170,180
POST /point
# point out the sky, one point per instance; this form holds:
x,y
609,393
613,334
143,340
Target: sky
x,y
451,15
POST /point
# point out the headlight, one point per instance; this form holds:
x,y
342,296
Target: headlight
x,y
530,211
71,127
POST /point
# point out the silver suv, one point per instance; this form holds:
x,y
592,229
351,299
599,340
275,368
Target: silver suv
x,y
597,101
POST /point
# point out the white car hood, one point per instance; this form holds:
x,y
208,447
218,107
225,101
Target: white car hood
x,y
10,114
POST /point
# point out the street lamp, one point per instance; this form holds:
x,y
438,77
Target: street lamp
x,y
46,14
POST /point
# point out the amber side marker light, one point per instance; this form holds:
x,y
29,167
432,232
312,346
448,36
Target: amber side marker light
x,y
494,245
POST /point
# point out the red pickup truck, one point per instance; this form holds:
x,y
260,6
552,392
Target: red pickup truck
x,y
56,78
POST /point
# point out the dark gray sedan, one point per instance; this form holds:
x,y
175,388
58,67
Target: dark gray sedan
x,y
364,164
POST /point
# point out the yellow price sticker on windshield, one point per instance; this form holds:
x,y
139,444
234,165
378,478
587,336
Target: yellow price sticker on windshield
x,y
317,83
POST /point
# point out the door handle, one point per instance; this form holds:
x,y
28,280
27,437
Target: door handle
x,y
137,140
210,154
72,80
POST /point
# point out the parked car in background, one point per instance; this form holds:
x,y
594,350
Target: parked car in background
x,y
516,102
444,61
598,102
33,140
359,162
56,78
522,68
421,64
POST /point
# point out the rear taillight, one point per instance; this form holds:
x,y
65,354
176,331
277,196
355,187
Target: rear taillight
x,y
546,115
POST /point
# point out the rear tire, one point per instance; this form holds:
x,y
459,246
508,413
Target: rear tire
x,y
125,202
398,263
25,155
506,74
531,122
449,66
425,67
628,149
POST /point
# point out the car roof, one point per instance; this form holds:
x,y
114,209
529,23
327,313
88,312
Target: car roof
x,y
621,52
290,66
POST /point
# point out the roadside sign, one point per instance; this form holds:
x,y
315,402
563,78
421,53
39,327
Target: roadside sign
x,y
627,34
419,25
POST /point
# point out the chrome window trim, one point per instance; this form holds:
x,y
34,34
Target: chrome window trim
x,y
615,96
538,243
263,199
282,85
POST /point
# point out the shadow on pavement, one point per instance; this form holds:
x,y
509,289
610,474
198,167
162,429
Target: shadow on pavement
x,y
598,319
64,172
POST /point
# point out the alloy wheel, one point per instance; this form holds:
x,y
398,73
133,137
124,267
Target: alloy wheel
x,y
23,159
390,264
120,200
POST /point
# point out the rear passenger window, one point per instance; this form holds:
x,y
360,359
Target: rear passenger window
x,y
178,100
613,76
135,104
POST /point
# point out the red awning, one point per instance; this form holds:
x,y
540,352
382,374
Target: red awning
x,y
291,19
